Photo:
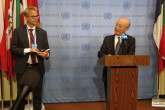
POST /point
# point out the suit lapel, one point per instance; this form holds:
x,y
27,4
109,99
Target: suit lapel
x,y
113,43
37,35
122,43
25,36
122,50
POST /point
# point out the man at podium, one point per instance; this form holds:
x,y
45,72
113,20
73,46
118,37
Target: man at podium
x,y
118,44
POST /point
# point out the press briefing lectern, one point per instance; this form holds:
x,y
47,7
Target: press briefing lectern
x,y
122,80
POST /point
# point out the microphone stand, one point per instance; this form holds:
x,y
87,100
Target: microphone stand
x,y
21,97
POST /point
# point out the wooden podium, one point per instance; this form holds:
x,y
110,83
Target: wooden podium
x,y
122,80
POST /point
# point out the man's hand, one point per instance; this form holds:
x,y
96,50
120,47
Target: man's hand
x,y
34,50
43,54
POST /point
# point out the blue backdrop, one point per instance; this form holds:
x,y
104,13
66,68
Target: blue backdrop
x,y
76,29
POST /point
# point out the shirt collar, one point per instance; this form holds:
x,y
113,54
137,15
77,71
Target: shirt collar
x,y
117,37
31,28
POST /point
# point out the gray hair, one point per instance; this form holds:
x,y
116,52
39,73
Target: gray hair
x,y
26,12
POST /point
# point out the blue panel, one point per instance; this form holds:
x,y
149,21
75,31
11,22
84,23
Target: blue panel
x,y
76,29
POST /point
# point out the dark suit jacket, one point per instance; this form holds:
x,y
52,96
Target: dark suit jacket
x,y
20,42
127,47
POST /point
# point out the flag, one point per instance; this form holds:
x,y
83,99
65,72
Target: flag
x,y
18,16
3,61
162,52
1,21
23,4
35,4
8,36
159,33
158,26
162,41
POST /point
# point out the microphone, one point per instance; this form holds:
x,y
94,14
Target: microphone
x,y
124,37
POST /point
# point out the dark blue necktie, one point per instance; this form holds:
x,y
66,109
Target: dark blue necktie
x,y
117,46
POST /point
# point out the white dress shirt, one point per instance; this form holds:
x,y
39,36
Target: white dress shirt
x,y
27,50
116,40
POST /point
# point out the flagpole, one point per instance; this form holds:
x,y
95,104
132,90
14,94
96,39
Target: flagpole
x,y
158,102
158,79
11,91
2,101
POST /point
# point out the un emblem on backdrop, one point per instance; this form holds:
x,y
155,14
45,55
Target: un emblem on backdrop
x,y
65,58
85,47
85,68
40,3
65,79
126,5
107,16
85,5
85,26
151,16
85,89
65,36
65,15
150,36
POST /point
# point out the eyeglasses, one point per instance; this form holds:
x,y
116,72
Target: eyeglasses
x,y
33,16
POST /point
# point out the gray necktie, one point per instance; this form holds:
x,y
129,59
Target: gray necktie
x,y
117,46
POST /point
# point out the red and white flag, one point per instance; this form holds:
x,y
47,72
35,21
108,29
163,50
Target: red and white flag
x,y
8,35
162,52
3,59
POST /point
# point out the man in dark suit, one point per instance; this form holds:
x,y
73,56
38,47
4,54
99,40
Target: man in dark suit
x,y
26,45
109,46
